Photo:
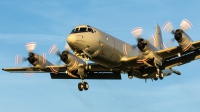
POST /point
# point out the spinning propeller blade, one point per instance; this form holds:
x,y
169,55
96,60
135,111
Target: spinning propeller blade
x,y
137,32
168,27
54,50
30,46
67,47
19,59
185,24
152,39
44,58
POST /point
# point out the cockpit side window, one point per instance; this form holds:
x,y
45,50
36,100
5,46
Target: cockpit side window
x,y
90,30
76,30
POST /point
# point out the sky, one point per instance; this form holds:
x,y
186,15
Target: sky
x,y
47,22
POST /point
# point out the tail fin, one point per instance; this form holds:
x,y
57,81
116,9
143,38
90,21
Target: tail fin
x,y
158,42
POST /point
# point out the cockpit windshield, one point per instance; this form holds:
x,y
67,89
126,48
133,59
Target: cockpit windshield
x,y
82,29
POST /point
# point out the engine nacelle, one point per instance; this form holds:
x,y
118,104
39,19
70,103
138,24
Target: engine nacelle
x,y
183,40
143,46
37,61
75,65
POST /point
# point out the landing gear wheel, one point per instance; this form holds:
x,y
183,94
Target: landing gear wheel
x,y
161,76
80,86
155,78
85,86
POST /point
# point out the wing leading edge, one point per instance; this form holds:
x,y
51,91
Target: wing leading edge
x,y
170,52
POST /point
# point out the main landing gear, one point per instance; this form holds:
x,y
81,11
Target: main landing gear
x,y
159,75
84,85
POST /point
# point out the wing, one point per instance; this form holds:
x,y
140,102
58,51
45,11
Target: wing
x,y
59,72
166,53
47,69
23,70
196,44
184,59
170,52
62,68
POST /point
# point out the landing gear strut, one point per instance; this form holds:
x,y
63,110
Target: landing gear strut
x,y
84,85
159,73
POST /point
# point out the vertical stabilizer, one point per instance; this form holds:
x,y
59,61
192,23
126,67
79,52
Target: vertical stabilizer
x,y
158,42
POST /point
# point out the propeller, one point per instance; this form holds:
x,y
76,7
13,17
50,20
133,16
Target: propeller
x,y
184,25
31,56
63,56
30,48
137,32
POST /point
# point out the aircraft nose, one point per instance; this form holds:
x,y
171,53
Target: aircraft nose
x,y
71,39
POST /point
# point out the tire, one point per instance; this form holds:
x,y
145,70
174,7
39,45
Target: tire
x,y
155,78
85,86
161,76
80,86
